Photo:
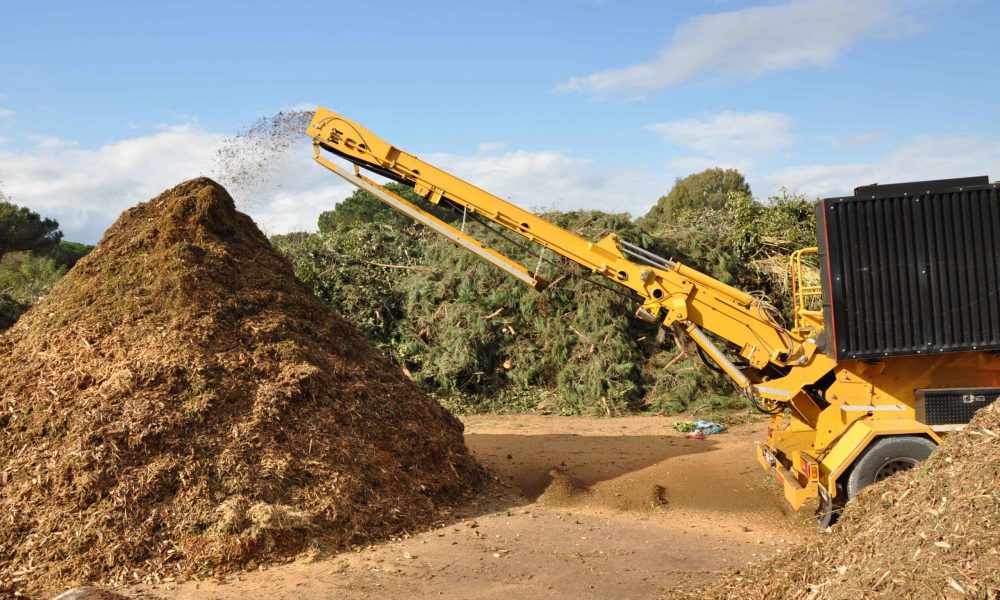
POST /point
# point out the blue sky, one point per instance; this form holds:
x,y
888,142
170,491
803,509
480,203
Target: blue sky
x,y
561,103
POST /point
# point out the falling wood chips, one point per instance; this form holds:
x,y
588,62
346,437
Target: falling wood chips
x,y
932,532
180,404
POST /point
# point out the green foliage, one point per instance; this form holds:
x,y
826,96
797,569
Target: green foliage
x,y
26,277
480,340
676,379
477,331
507,401
66,254
744,243
468,332
362,208
32,258
10,311
22,230
359,271
708,190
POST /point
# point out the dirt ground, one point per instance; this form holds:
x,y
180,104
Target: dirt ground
x,y
594,508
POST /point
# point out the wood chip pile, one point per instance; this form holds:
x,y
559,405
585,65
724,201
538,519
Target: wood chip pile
x,y
180,404
931,532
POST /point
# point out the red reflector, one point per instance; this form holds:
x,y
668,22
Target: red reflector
x,y
809,469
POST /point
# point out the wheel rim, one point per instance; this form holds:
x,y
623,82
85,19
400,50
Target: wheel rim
x,y
825,514
894,466
828,510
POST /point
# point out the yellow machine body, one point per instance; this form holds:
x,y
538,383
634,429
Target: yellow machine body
x,y
811,442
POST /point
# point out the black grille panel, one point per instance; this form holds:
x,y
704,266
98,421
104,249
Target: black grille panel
x,y
954,405
911,269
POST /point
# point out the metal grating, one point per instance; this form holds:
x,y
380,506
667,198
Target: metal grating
x,y
911,269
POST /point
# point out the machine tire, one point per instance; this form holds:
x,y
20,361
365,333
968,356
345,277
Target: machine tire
x,y
885,457
829,509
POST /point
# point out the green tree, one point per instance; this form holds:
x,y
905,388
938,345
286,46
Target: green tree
x,y
475,335
358,271
22,229
362,207
26,277
744,243
482,341
708,190
10,311
66,254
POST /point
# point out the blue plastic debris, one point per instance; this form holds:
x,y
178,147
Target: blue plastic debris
x,y
709,427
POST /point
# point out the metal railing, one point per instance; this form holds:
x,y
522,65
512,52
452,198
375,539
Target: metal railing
x,y
807,297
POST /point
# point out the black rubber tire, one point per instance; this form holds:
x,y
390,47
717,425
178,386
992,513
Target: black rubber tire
x,y
829,510
887,456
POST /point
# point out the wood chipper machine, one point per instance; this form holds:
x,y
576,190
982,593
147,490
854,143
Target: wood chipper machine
x,y
895,347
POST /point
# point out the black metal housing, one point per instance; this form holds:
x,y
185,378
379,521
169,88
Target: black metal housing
x,y
952,406
911,268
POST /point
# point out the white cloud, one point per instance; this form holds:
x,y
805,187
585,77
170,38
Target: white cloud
x,y
86,189
6,113
51,142
298,190
490,147
751,42
550,179
919,159
733,138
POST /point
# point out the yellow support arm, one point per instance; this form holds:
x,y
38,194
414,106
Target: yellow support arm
x,y
671,293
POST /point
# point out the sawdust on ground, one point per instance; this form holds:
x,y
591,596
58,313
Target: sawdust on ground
x,y
720,510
